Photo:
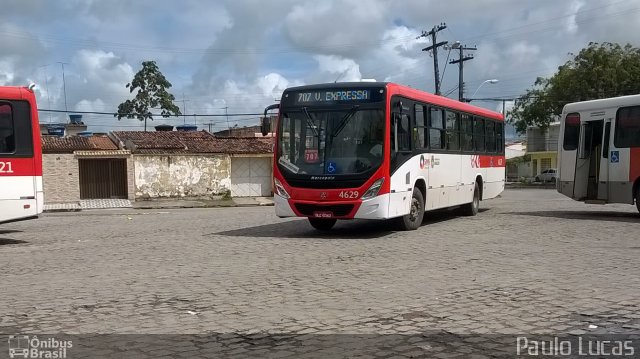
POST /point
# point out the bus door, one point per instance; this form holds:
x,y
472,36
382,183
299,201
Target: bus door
x,y
588,161
17,164
603,178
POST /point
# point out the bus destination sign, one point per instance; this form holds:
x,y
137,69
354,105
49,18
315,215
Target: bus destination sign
x,y
332,96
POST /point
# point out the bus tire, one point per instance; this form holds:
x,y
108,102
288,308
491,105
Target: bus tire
x,y
638,198
413,220
322,224
471,209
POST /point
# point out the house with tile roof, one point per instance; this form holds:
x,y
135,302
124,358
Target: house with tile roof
x,y
197,164
161,164
79,168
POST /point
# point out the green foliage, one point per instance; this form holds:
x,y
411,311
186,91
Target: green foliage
x,y
152,93
597,71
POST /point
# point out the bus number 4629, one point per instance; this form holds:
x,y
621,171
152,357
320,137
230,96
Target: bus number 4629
x,y
5,167
348,194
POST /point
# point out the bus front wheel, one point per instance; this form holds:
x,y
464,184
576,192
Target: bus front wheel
x,y
638,198
471,209
413,220
322,224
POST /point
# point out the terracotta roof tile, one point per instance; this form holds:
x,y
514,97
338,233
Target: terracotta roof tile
x,y
52,144
185,142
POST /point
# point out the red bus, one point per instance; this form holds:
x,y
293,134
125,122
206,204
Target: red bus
x,y
21,195
380,151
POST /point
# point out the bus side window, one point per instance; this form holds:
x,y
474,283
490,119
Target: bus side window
x,y
627,131
404,133
466,132
453,131
419,139
500,137
436,129
478,134
571,132
7,130
490,136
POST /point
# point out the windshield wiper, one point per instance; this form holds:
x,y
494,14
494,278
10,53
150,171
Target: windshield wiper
x,y
345,120
310,121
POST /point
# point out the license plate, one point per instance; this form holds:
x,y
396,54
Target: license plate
x,y
323,214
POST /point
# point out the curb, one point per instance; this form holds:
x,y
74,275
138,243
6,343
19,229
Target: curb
x,y
151,206
59,210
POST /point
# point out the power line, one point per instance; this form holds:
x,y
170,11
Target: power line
x,y
156,115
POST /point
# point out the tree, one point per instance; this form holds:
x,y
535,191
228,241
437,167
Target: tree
x,y
597,71
152,92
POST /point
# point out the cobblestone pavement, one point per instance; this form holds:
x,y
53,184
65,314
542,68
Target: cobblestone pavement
x,y
532,262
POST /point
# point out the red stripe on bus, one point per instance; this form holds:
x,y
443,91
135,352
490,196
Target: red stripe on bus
x,y
634,165
19,167
492,161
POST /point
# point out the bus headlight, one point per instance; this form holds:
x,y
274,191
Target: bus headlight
x,y
373,190
280,191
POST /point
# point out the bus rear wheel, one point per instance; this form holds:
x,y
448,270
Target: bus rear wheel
x,y
322,224
471,209
413,220
638,198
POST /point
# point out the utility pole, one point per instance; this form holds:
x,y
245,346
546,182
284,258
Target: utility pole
x,y
184,109
460,61
46,83
434,47
210,126
64,86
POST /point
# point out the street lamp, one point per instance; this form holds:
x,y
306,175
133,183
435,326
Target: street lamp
x,y
491,81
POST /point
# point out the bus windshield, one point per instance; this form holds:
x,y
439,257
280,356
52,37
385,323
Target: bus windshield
x,y
331,142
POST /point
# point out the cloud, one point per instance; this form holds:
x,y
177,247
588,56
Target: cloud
x,y
345,70
241,54
570,25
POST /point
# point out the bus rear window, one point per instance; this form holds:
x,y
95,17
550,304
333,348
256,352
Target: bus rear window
x,y
7,130
627,127
571,132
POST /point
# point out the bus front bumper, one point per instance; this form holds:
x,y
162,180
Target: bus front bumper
x,y
374,208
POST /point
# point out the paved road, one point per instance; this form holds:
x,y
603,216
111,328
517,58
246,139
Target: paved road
x,y
531,262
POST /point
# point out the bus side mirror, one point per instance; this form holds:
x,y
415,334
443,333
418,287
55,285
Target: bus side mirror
x,y
265,125
265,122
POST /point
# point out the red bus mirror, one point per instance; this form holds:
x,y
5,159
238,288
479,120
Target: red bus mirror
x,y
265,122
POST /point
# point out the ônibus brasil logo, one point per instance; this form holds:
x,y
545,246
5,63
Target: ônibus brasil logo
x,y
23,346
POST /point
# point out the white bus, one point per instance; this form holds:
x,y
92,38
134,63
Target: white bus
x,y
382,150
599,151
21,195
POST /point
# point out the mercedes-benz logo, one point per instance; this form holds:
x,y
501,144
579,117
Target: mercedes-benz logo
x,y
323,195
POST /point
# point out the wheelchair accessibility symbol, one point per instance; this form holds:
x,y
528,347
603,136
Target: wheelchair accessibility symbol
x,y
331,167
615,156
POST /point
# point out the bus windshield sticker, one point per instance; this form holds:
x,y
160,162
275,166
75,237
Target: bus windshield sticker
x,y
331,167
288,165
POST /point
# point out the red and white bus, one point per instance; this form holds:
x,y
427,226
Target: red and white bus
x,y
21,195
599,151
382,150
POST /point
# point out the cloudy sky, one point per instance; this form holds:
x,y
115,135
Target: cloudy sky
x,y
241,54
